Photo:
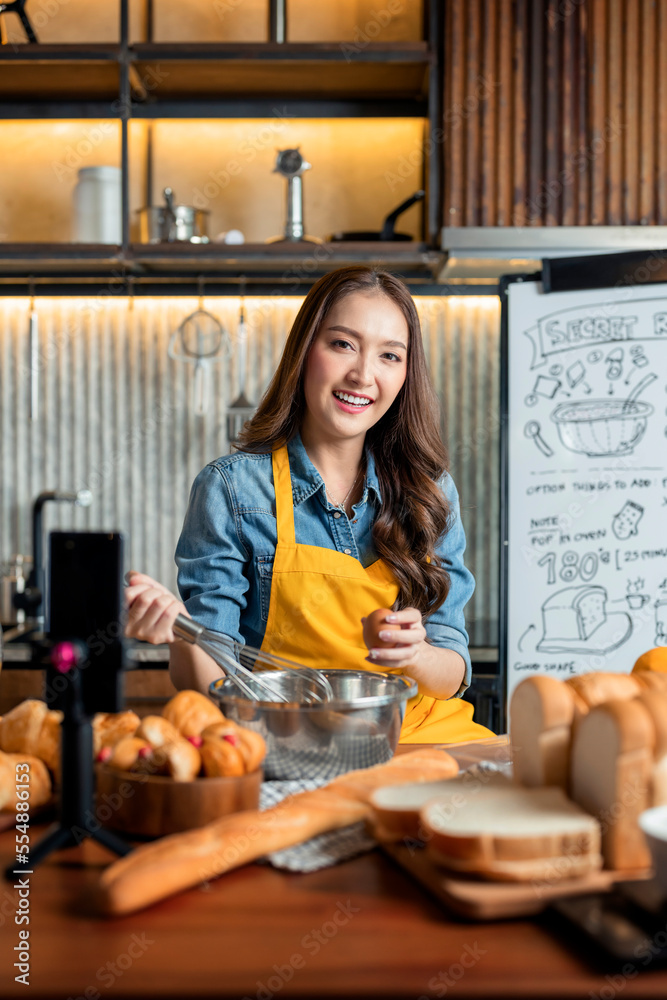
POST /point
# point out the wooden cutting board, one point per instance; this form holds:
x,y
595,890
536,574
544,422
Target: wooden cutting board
x,y
481,900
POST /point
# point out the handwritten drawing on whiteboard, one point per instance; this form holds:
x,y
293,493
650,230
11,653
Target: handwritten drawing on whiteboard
x,y
575,620
587,478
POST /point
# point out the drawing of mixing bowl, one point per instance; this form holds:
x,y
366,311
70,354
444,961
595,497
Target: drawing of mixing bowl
x,y
599,427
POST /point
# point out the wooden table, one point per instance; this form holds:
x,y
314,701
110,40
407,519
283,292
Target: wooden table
x,y
360,929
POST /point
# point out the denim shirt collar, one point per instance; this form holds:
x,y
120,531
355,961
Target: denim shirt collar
x,y
306,480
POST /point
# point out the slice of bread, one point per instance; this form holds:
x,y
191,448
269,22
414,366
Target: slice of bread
x,y
396,808
513,834
541,714
611,772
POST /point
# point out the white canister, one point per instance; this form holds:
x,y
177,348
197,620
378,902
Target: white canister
x,y
97,206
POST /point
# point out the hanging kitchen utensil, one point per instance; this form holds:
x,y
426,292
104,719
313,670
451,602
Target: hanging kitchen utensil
x,y
291,165
203,341
241,409
387,233
33,328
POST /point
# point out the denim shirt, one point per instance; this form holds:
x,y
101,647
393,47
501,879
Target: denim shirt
x,y
226,549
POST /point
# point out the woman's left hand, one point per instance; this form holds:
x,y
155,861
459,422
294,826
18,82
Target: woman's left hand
x,y
410,640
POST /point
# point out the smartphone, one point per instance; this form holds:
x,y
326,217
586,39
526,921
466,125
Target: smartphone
x,y
85,603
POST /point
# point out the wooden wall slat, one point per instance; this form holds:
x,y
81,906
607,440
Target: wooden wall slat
x,y
552,186
569,135
505,172
661,117
630,110
521,94
564,112
647,141
536,133
490,163
583,151
615,119
455,67
474,167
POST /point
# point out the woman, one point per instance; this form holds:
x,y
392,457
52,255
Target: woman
x,y
336,504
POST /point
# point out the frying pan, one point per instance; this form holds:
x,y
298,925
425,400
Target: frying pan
x,y
387,232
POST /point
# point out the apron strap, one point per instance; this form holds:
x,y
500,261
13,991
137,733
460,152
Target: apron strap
x,y
282,482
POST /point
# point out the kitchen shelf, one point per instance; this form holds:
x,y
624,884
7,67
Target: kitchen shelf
x,y
170,80
320,72
302,262
47,73
158,80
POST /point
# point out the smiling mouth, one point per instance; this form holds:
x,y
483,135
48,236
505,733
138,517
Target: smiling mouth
x,y
351,400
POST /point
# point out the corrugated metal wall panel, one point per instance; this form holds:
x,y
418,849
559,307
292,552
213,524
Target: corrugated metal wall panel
x,y
116,417
564,106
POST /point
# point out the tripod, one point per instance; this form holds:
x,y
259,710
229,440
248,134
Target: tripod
x,y
76,815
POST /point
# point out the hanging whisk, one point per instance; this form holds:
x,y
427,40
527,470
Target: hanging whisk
x,y
231,657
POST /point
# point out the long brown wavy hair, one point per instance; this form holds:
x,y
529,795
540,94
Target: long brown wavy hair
x,y
406,444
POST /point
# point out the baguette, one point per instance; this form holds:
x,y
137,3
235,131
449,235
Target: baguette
x,y
611,773
180,861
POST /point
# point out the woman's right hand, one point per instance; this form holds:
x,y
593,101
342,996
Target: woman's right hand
x,y
151,609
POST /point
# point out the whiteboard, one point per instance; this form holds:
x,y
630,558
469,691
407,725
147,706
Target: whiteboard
x,y
585,478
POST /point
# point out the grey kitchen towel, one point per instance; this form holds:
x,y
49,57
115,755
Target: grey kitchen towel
x,y
321,851
337,845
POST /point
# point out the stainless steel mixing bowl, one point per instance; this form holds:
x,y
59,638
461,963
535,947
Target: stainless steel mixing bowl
x,y
358,728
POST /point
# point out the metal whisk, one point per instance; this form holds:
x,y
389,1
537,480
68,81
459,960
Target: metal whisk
x,y
230,655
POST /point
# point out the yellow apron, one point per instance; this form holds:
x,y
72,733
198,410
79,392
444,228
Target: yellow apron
x,y
318,597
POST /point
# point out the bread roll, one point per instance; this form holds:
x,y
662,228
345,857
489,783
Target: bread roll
x,y
125,755
610,777
21,726
191,712
31,727
154,871
49,740
182,758
157,731
38,785
220,759
513,834
541,713
250,744
655,660
111,727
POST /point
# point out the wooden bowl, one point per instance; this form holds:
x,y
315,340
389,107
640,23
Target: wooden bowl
x,y
155,805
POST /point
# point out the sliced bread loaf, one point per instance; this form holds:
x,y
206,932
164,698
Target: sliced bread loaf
x,y
541,714
513,834
611,771
396,808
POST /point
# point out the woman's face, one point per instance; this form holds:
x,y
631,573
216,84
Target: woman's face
x,y
361,352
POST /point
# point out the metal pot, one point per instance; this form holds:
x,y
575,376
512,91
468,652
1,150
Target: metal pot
x,y
171,223
13,581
